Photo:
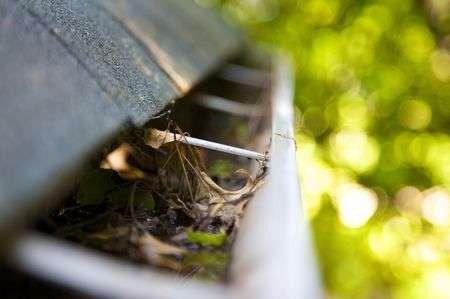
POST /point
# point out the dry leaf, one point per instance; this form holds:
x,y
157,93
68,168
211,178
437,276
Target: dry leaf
x,y
230,194
155,251
156,138
158,246
110,233
118,159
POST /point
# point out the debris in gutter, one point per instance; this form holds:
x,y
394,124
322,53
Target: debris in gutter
x,y
151,200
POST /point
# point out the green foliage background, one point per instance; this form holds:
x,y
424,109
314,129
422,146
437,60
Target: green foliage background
x,y
373,134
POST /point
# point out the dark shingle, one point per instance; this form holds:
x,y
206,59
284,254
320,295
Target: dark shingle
x,y
72,73
52,112
121,66
185,39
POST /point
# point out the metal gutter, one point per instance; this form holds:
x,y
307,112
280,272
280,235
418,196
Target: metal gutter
x,y
97,275
272,257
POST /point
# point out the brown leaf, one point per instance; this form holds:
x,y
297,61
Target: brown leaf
x,y
156,138
158,246
156,252
118,160
230,194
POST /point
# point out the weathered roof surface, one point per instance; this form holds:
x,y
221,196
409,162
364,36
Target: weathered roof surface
x,y
74,71
52,111
187,41
144,53
124,69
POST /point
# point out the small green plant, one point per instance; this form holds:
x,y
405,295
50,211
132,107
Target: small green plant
x,y
207,239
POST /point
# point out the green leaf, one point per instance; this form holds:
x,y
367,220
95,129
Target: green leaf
x,y
213,265
94,185
207,239
220,168
142,199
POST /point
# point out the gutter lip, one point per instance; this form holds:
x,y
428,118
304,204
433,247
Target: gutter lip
x,y
273,256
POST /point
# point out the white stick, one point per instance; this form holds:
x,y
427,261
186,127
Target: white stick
x,y
220,147
156,138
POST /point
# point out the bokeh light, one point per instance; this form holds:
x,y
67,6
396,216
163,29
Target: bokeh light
x,y
436,206
440,61
355,205
373,95
354,149
415,114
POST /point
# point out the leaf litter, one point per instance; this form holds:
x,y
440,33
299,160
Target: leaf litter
x,y
150,199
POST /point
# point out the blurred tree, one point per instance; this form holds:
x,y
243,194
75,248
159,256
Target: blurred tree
x,y
373,92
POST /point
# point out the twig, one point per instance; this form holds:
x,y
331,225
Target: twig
x,y
185,173
158,138
221,148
